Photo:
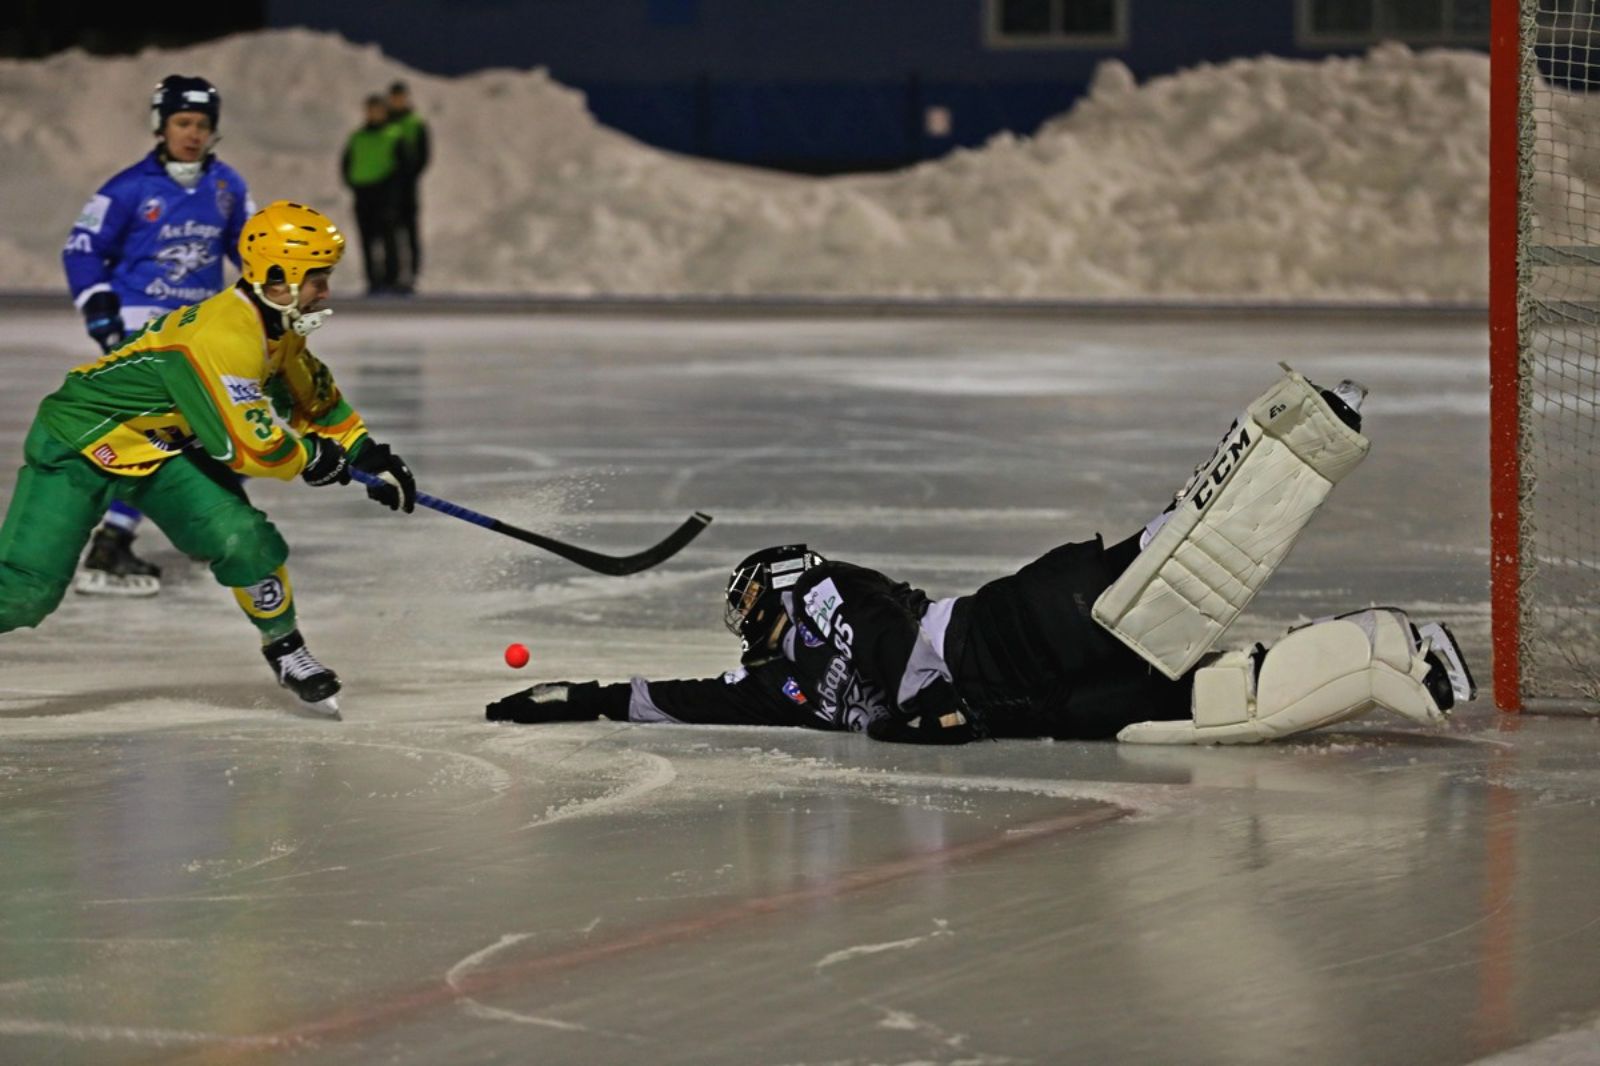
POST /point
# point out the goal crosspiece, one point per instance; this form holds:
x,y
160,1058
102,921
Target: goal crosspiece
x,y
1544,330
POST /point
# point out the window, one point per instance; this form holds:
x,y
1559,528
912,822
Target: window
x,y
1056,23
1358,22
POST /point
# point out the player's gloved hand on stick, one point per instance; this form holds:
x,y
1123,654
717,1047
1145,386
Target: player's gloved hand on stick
x,y
102,314
561,701
399,491
328,464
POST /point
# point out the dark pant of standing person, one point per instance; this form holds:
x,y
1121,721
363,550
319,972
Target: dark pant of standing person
x,y
410,241
375,219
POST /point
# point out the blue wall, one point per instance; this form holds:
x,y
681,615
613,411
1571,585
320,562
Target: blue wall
x,y
804,84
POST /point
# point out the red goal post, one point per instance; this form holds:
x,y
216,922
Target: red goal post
x,y
1544,342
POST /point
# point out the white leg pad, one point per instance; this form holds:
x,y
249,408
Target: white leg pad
x,y
1319,675
1234,523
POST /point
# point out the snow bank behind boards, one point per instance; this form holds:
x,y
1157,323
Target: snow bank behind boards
x,y
1265,179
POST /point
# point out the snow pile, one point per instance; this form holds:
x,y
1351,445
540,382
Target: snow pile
x,y
1361,179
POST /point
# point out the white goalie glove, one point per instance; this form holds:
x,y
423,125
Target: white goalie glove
x,y
1320,674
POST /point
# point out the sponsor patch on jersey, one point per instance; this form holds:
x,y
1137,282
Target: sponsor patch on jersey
x,y
105,454
78,242
93,215
822,603
791,689
243,391
807,637
225,199
153,208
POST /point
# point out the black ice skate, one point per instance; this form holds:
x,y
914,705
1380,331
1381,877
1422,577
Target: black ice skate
x,y
1449,680
111,568
299,672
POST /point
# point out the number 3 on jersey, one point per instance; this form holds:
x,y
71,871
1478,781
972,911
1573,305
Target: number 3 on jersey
x,y
262,420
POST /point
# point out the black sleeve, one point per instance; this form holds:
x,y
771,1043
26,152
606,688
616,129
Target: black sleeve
x,y
742,697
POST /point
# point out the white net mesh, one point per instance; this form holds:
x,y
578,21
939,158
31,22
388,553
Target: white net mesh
x,y
1559,325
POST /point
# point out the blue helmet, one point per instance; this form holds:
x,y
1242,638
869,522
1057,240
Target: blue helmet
x,y
178,92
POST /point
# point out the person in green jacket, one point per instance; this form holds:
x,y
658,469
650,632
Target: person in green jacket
x,y
414,155
371,168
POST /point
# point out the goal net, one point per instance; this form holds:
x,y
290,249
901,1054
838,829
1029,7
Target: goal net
x,y
1545,351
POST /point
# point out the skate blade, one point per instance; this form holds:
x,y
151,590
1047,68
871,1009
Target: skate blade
x,y
100,583
328,708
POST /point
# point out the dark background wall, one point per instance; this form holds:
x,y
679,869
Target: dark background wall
x,y
811,85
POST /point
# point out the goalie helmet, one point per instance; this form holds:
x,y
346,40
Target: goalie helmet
x,y
289,239
179,92
755,591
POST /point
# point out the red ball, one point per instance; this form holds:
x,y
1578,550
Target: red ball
x,y
516,656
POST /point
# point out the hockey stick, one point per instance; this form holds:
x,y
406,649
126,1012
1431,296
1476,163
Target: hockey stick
x,y
616,565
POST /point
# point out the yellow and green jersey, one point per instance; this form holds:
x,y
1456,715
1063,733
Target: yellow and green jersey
x,y
205,371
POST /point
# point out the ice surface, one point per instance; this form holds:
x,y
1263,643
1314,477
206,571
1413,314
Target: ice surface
x,y
191,873
1264,179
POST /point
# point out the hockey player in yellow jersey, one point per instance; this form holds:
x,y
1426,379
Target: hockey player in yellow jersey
x,y
167,421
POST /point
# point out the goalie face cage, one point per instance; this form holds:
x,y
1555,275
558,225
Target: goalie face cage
x,y
1544,329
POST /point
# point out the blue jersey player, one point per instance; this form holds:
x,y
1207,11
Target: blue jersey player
x,y
151,239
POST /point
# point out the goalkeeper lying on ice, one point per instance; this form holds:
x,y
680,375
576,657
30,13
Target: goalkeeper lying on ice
x,y
1087,642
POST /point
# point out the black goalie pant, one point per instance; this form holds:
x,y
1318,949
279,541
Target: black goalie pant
x,y
1026,653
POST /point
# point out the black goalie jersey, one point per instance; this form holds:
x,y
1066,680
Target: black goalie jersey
x,y
862,653
1021,657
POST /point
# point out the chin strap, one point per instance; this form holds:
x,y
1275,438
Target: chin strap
x,y
304,323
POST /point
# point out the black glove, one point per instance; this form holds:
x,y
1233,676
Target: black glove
x,y
102,313
562,701
956,727
328,464
376,459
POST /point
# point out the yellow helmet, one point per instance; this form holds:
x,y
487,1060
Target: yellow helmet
x,y
293,237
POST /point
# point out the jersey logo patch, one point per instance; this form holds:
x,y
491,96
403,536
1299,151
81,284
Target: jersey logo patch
x,y
810,639
93,215
266,596
225,199
242,391
153,208
791,688
822,603
184,258
105,454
